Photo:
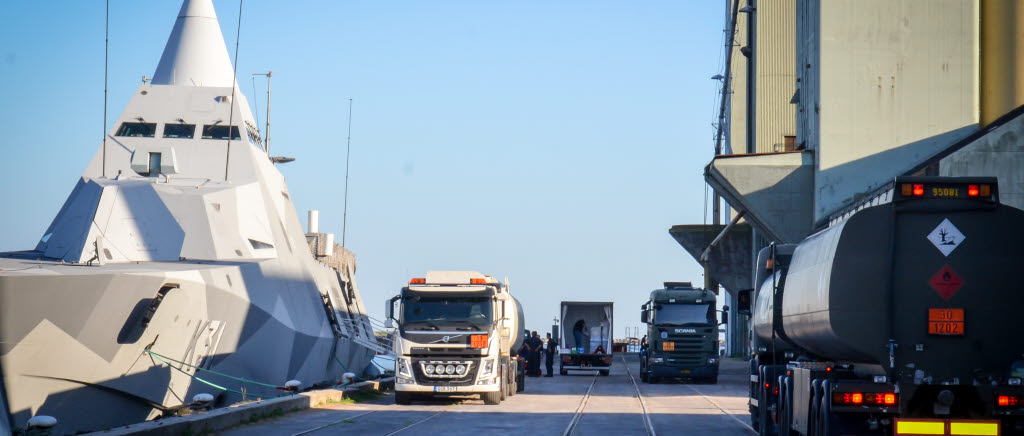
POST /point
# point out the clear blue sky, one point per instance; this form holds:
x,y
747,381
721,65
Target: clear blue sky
x,y
551,142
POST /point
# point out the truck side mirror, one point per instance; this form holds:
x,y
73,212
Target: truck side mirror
x,y
725,317
643,317
743,302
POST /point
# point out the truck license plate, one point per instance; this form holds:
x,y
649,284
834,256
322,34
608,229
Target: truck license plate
x,y
444,388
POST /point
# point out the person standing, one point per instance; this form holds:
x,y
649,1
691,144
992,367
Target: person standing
x,y
578,330
549,355
533,364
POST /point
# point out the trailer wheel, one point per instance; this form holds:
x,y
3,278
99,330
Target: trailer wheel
x,y
604,372
825,410
403,398
812,418
785,407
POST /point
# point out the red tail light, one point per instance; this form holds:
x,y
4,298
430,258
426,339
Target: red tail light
x,y
1008,401
565,359
918,190
862,398
889,399
972,190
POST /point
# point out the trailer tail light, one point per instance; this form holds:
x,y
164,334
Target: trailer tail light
x,y
972,190
918,190
418,281
478,281
1008,401
565,358
607,360
478,341
864,398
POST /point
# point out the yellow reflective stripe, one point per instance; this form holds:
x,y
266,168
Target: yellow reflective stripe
x,y
974,428
920,427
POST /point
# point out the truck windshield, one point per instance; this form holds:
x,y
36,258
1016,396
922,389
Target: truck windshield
x,y
422,313
683,314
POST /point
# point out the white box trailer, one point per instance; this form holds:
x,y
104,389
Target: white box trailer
x,y
585,342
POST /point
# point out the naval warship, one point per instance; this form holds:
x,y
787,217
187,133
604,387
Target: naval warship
x,y
178,265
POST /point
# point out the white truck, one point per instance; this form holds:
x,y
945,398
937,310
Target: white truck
x,y
457,333
586,337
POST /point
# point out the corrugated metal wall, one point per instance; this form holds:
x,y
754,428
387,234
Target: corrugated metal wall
x,y
776,78
738,99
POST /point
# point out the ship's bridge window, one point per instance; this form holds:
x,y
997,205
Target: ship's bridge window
x,y
183,131
220,132
138,130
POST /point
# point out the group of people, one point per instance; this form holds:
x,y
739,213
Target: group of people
x,y
532,347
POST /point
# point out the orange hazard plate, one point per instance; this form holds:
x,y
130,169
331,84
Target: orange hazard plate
x,y
946,328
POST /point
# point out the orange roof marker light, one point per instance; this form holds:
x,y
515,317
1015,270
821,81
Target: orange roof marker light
x,y
476,281
418,281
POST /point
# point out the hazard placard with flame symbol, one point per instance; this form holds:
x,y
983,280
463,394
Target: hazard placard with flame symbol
x,y
946,282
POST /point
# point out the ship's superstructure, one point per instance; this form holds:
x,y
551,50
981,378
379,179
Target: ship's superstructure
x,y
180,239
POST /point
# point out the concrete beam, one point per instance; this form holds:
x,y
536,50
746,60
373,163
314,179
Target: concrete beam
x,y
775,189
729,261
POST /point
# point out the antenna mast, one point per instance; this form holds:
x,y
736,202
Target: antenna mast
x,y
106,66
234,84
348,151
266,132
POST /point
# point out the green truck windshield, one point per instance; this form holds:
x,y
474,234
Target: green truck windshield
x,y
679,314
422,313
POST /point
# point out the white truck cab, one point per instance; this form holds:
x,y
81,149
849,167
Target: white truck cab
x,y
456,332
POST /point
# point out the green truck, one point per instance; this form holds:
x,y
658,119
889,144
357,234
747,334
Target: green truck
x,y
682,334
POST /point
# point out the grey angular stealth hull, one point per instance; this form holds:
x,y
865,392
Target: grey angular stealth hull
x,y
66,328
180,239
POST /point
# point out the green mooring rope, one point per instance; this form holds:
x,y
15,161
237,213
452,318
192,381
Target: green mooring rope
x,y
238,379
346,368
160,358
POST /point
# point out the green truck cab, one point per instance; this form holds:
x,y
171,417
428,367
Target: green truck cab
x,y
682,334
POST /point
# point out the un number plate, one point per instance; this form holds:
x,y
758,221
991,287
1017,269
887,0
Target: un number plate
x,y
444,388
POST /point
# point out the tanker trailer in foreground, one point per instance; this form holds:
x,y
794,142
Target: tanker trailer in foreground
x,y
902,318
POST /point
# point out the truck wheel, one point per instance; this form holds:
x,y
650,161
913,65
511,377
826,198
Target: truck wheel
x,y
653,380
604,372
644,377
491,398
713,379
520,384
503,383
403,398
825,411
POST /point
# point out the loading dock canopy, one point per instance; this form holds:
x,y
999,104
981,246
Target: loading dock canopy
x,y
775,189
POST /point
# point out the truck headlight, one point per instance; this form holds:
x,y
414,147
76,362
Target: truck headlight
x,y
403,367
657,360
712,360
487,369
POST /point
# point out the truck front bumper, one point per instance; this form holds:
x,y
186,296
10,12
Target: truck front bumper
x,y
681,371
403,384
